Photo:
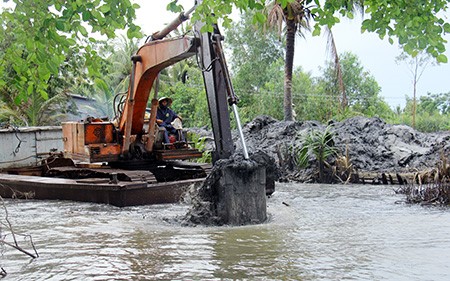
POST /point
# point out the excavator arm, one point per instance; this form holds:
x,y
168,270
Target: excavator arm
x,y
216,79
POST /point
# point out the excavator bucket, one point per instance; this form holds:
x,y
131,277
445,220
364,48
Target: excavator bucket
x,y
235,191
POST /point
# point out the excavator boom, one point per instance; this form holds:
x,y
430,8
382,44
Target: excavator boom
x,y
149,60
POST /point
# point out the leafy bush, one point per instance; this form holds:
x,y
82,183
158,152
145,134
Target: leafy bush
x,y
199,143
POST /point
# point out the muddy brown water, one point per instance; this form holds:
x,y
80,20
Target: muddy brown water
x,y
315,232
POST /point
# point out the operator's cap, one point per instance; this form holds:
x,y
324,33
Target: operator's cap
x,y
169,100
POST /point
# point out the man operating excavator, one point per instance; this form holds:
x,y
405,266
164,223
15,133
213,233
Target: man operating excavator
x,y
164,118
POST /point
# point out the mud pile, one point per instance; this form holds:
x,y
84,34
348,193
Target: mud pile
x,y
373,145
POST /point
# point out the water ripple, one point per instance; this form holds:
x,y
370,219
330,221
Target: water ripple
x,y
314,232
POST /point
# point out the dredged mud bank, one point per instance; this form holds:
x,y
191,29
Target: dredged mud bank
x,y
372,145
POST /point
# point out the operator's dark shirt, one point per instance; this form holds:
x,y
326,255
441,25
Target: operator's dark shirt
x,y
167,115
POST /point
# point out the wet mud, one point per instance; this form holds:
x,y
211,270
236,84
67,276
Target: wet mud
x,y
235,192
372,145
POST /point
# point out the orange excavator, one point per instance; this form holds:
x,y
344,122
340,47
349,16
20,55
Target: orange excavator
x,y
129,141
124,162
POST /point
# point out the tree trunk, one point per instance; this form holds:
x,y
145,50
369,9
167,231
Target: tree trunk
x,y
288,68
321,171
414,107
415,74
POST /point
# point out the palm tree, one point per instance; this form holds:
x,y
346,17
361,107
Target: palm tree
x,y
115,78
119,57
36,111
10,115
337,68
352,6
296,15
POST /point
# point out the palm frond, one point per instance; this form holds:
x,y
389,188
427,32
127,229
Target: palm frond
x,y
332,50
276,17
318,143
52,109
11,115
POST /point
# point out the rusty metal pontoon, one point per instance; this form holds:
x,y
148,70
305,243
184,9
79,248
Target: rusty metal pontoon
x,y
97,183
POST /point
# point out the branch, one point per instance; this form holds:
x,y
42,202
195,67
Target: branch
x,y
13,234
20,249
7,220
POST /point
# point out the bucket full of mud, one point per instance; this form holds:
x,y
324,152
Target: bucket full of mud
x,y
233,194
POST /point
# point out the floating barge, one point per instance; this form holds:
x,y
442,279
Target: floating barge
x,y
103,184
27,171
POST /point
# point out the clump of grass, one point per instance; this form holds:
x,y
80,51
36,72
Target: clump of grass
x,y
343,169
428,194
431,187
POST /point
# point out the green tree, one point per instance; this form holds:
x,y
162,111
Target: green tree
x,y
431,103
252,51
253,55
306,101
416,66
363,92
432,113
38,109
269,99
38,39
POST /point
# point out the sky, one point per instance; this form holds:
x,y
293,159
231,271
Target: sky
x,y
376,56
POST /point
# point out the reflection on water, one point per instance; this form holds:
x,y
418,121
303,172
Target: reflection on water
x,y
314,233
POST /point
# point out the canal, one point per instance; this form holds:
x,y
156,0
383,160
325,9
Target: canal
x,y
314,232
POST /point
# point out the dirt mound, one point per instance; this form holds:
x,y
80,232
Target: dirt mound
x,y
373,145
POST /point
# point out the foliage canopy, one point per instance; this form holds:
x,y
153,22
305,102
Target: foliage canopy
x,y
39,38
417,26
